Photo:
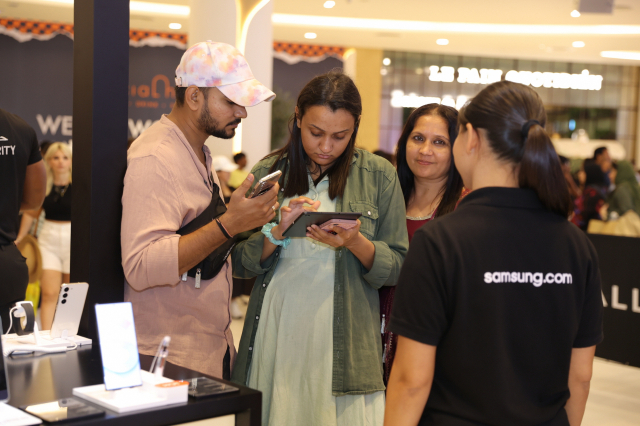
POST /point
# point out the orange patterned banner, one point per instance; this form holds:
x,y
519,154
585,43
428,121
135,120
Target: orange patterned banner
x,y
135,35
23,30
36,27
292,53
308,50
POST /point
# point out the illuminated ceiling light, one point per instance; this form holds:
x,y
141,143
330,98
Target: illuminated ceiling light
x,y
329,4
442,41
578,44
310,36
621,54
175,26
449,27
134,6
575,14
60,2
386,61
159,8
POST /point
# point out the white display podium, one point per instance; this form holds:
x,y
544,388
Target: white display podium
x,y
153,393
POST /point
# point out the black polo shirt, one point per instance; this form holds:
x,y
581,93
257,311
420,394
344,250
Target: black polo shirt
x,y
18,149
505,289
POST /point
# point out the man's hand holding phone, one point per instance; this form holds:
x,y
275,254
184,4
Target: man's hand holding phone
x,y
245,213
265,184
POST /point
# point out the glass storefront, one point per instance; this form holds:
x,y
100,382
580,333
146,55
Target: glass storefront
x,y
602,99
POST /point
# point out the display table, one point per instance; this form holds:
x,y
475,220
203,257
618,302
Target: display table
x,y
46,378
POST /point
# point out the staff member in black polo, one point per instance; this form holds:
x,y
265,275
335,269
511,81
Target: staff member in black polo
x,y
22,187
498,305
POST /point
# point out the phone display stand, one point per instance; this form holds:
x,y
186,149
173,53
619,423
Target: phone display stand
x,y
154,392
39,341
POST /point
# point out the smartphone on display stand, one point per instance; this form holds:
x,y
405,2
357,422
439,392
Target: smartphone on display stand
x,y
266,183
63,410
66,319
118,345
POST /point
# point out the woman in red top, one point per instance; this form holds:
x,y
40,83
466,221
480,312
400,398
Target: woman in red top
x,y
430,183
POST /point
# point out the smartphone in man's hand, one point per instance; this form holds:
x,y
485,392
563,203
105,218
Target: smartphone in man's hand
x,y
265,184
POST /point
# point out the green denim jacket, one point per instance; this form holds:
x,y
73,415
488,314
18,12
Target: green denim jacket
x,y
372,189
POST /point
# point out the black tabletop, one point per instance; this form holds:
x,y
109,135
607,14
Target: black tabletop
x,y
46,378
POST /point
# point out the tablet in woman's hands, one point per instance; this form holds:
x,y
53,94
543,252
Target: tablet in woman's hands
x,y
299,226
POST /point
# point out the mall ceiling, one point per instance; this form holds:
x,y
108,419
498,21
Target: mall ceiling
x,y
540,29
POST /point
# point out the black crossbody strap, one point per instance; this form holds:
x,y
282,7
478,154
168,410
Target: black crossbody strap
x,y
212,264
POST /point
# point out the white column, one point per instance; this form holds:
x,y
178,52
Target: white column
x,y
349,60
216,21
256,128
363,66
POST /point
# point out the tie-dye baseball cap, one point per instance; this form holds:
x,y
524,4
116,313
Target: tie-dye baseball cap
x,y
211,64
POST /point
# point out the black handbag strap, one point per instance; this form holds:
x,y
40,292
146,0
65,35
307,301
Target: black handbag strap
x,y
211,265
215,209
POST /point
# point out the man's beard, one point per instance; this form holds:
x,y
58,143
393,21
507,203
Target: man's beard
x,y
210,126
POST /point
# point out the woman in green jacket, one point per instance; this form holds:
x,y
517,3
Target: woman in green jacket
x,y
626,196
311,338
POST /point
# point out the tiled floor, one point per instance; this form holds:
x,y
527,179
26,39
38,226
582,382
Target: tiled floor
x,y
614,399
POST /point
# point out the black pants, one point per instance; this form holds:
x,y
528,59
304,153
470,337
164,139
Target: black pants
x,y
14,274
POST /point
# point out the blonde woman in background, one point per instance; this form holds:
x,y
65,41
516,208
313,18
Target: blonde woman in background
x,y
55,236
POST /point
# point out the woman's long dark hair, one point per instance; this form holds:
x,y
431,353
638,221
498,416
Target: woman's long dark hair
x,y
503,109
594,174
453,187
334,90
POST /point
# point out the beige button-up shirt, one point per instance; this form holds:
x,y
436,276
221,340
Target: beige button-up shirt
x,y
165,187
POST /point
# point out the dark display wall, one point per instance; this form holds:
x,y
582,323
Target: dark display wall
x,y
619,270
37,84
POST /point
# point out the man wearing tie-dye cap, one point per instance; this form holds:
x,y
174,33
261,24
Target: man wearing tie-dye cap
x,y
169,183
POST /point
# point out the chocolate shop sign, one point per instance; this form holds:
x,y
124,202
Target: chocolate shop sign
x,y
557,80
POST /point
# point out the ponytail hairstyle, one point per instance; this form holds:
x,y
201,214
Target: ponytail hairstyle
x,y
453,187
334,90
514,118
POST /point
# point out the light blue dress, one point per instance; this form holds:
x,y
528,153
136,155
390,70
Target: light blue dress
x,y
292,362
